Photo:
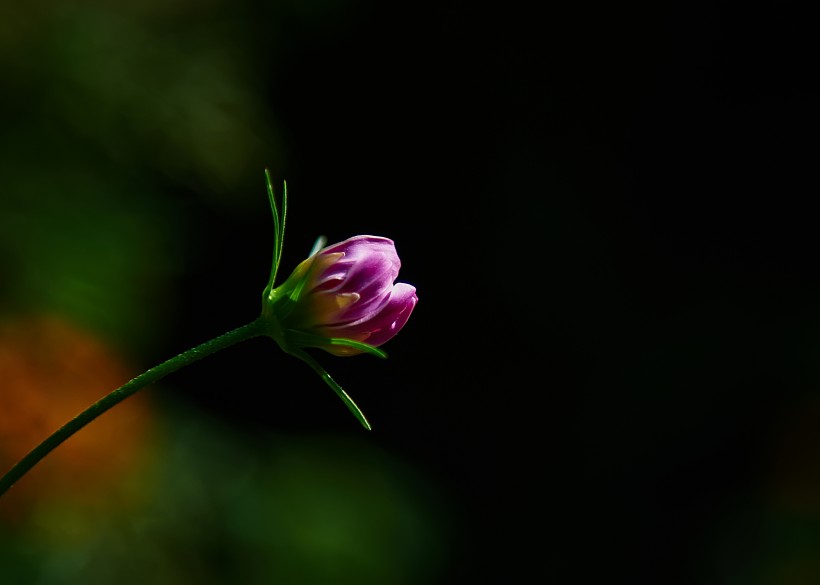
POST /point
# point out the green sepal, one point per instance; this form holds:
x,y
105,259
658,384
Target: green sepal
x,y
320,243
302,339
357,412
365,347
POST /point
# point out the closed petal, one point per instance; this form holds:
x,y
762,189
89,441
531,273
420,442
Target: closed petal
x,y
364,265
384,324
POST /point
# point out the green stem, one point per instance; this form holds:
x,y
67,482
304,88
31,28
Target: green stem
x,y
253,329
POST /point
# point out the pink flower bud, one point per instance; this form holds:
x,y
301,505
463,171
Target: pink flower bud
x,y
344,291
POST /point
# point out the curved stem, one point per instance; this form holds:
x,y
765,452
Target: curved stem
x,y
253,329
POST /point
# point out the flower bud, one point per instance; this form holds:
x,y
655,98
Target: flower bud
x,y
343,292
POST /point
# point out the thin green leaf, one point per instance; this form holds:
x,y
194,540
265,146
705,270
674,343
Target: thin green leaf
x,y
334,386
277,232
282,222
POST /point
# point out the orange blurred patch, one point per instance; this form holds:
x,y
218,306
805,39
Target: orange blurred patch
x,y
50,370
796,470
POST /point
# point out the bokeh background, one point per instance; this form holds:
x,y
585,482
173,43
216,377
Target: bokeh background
x,y
611,376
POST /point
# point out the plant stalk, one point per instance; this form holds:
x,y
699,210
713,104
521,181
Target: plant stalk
x,y
253,329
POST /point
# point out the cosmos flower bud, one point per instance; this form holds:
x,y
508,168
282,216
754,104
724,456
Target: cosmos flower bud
x,y
343,293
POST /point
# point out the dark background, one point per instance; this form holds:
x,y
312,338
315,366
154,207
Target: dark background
x,y
607,210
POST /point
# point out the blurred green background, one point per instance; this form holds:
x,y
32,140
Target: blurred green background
x,y
134,223
608,212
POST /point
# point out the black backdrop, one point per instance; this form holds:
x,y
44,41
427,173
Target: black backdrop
x,y
608,213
